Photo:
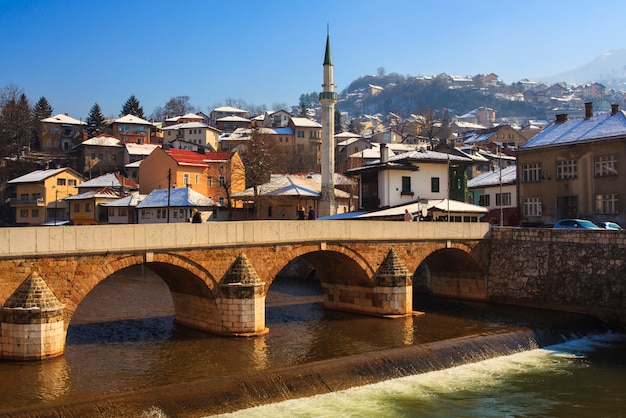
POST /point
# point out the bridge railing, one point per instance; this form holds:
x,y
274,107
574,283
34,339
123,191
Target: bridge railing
x,y
71,240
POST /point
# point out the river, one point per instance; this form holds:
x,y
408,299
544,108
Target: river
x,y
122,342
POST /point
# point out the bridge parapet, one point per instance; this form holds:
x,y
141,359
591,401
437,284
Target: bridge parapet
x,y
38,241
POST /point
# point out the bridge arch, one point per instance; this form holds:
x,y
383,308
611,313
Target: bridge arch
x,y
451,272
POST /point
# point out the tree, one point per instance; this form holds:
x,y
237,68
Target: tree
x,y
338,123
434,128
41,110
15,118
132,107
259,159
95,121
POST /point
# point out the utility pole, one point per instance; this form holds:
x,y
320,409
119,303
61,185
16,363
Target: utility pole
x,y
169,185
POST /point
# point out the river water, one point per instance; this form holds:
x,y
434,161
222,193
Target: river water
x,y
122,340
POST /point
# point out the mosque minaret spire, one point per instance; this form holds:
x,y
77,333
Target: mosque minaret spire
x,y
328,98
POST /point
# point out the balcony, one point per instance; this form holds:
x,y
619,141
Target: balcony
x,y
15,202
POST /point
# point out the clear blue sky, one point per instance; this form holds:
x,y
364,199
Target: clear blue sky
x,y
79,52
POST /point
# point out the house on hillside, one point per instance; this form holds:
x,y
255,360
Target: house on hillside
x,y
193,133
87,208
40,195
101,154
502,135
213,174
124,210
61,133
497,191
173,206
113,180
224,111
571,169
131,128
411,176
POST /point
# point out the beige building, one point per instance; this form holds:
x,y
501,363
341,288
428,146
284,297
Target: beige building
x,y
193,133
41,193
61,133
571,169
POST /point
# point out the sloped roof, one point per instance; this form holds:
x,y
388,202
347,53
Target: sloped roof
x,y
103,141
132,119
427,155
62,118
186,125
37,175
442,205
140,149
109,180
179,197
186,157
132,199
492,178
233,118
229,109
305,122
601,126
289,185
104,192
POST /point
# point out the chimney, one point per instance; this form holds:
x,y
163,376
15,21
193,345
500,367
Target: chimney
x,y
562,118
588,110
614,109
384,153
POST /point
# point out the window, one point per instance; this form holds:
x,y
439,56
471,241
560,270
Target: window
x,y
483,200
531,172
87,207
186,179
300,134
71,182
406,186
24,196
434,184
221,201
567,169
221,181
123,212
504,199
197,178
532,206
76,207
209,181
60,182
111,212
605,165
24,213
607,204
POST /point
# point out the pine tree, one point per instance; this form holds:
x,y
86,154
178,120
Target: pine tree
x,y
132,107
95,121
41,110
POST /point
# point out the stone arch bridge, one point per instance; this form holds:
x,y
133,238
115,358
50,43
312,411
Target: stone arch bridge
x,y
219,273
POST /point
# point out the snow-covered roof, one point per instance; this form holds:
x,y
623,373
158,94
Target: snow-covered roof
x,y
233,118
191,116
140,149
132,199
346,134
598,127
62,118
427,155
186,125
492,178
305,122
102,193
109,180
289,185
132,119
441,205
37,176
179,197
228,109
103,141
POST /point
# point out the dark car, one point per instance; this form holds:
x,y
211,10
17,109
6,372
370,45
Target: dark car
x,y
576,224
609,225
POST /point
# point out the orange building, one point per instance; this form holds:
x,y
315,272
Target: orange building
x,y
213,174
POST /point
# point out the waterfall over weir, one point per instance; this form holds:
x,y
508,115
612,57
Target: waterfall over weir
x,y
224,394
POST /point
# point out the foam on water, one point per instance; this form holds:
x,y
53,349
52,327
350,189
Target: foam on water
x,y
502,386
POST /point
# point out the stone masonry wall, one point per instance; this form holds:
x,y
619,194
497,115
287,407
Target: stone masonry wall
x,y
563,269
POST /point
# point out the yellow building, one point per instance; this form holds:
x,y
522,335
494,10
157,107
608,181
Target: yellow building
x,y
89,208
40,195
61,133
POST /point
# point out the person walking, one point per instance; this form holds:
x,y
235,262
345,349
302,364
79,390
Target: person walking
x,y
311,216
407,216
197,218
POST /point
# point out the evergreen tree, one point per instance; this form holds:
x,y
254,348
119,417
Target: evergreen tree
x,y
95,121
41,110
338,123
132,107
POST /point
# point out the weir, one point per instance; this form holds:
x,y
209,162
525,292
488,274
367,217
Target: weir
x,y
227,394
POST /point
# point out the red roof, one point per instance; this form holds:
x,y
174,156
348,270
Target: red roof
x,y
186,157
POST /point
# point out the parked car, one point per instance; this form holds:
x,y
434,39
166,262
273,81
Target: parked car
x,y
576,224
609,225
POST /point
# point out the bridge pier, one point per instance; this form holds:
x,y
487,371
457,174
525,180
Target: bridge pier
x,y
31,322
242,300
391,295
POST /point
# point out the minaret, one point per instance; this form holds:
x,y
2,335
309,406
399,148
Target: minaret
x,y
328,98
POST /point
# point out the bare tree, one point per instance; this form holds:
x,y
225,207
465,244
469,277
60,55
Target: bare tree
x,y
259,159
433,127
15,120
